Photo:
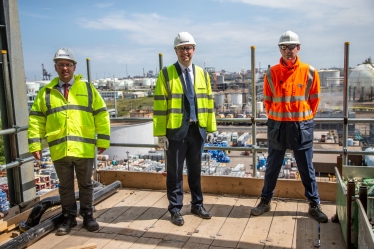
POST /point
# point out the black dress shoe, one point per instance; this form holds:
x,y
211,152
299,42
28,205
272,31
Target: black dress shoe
x,y
177,219
201,212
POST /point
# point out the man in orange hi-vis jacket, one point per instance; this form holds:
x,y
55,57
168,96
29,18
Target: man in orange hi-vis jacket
x,y
291,98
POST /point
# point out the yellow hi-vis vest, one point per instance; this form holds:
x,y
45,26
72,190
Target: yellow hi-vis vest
x,y
168,101
69,126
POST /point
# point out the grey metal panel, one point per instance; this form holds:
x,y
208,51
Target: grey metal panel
x,y
365,231
19,97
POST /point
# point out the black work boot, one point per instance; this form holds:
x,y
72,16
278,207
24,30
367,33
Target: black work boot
x,y
262,207
89,221
316,212
69,222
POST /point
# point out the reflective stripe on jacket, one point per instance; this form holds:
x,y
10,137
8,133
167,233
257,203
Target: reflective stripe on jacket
x,y
291,94
70,127
169,97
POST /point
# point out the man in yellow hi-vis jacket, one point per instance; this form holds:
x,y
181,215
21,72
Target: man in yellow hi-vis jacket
x,y
73,117
183,118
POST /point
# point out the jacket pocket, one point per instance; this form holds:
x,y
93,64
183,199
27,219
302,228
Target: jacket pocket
x,y
273,130
306,131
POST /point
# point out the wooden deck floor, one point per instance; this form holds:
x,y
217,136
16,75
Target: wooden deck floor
x,y
139,219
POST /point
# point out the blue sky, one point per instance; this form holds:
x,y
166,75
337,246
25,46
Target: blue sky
x,y
117,33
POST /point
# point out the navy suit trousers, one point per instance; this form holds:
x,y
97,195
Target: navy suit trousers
x,y
306,170
190,148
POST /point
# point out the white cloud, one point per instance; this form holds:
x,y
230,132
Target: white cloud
x,y
103,5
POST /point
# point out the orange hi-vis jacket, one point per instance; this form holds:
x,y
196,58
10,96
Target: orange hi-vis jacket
x,y
291,93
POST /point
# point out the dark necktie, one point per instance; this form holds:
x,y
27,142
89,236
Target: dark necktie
x,y
190,96
66,90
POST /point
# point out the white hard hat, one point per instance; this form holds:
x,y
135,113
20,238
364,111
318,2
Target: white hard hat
x,y
289,38
184,38
65,54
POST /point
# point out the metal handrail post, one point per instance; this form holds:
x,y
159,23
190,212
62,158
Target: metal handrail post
x,y
345,102
254,97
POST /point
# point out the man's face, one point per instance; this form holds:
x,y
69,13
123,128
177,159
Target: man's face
x,y
65,70
289,51
185,54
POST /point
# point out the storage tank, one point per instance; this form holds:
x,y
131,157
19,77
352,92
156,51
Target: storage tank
x,y
361,82
329,77
237,99
220,79
228,98
146,82
138,81
140,133
219,99
129,83
259,106
32,87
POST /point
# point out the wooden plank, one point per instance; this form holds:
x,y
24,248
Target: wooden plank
x,y
51,240
331,233
306,229
257,229
194,245
120,241
113,207
101,239
86,246
209,229
163,228
144,200
71,240
145,243
282,227
146,221
170,244
191,221
286,188
4,237
231,231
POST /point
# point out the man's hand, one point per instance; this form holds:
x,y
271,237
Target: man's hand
x,y
163,142
37,154
100,150
209,138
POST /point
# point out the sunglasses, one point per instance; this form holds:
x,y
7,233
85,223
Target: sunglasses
x,y
186,48
290,47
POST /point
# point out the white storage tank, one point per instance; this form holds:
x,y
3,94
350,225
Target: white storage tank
x,y
138,81
259,106
228,98
361,77
129,83
220,78
237,99
146,82
219,99
32,87
141,133
329,77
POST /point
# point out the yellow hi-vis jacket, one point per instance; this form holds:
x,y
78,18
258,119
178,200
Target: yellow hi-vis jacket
x,y
69,126
169,97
